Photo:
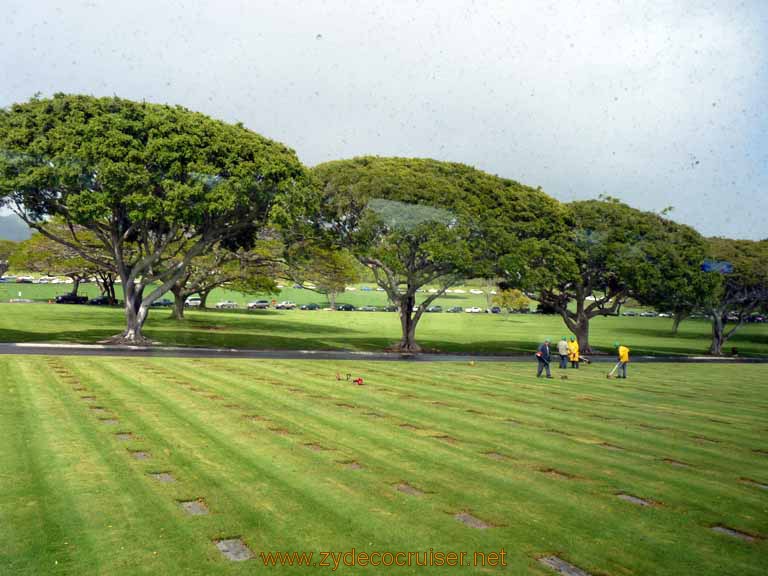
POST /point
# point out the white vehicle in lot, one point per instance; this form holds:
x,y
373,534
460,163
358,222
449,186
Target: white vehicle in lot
x,y
258,305
193,302
473,310
475,291
226,305
286,305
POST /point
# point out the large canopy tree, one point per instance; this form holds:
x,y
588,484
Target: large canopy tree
x,y
323,270
40,253
417,222
157,185
740,272
248,270
611,252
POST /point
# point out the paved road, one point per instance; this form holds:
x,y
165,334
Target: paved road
x,y
177,352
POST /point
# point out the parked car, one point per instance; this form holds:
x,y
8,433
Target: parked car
x,y
345,308
629,313
367,308
455,309
475,291
286,305
390,308
435,309
99,301
493,310
648,314
226,305
311,306
162,303
473,309
193,302
258,305
664,315
71,299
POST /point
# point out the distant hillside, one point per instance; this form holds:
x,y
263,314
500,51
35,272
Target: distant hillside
x,y
13,228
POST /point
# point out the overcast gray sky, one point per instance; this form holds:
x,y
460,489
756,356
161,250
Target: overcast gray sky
x,y
656,102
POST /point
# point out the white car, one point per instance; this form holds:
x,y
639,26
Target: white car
x,y
459,291
473,310
286,305
258,305
475,291
193,302
226,305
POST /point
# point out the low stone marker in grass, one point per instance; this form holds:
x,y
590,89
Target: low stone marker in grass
x,y
562,567
164,477
755,483
194,507
406,488
472,521
634,499
234,549
734,533
495,456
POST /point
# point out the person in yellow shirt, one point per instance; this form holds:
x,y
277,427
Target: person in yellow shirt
x,y
573,352
623,353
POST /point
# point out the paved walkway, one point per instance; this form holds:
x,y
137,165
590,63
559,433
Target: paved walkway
x,y
181,352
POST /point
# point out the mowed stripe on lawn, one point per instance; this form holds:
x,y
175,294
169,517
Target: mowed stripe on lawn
x,y
554,491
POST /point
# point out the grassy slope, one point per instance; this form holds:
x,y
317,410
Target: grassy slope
x,y
73,501
361,330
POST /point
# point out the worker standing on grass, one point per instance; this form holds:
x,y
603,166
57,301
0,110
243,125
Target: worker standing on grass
x,y
573,352
562,349
623,353
543,356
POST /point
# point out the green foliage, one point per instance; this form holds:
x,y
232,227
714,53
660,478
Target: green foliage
x,y
153,166
513,299
323,270
7,250
423,219
41,254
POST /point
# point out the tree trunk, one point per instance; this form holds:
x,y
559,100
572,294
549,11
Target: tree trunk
x,y
679,317
110,284
75,285
178,304
135,316
204,298
718,333
332,299
582,335
578,324
408,323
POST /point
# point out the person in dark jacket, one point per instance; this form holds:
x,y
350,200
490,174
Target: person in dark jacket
x,y
543,356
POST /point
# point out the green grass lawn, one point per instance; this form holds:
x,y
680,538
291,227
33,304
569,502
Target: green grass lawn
x,y
296,329
268,447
